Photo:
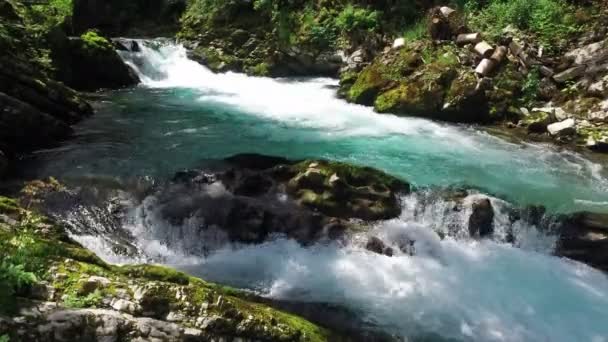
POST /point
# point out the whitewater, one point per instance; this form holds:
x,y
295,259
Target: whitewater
x,y
456,288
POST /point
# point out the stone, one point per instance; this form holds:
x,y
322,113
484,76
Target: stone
x,y
570,74
374,244
593,52
399,42
563,128
123,305
481,221
598,89
598,116
92,284
583,236
546,71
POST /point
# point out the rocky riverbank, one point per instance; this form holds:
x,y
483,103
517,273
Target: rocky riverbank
x,y
53,289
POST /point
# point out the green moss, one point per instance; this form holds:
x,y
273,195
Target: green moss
x,y
261,69
411,99
8,206
353,174
155,272
93,43
369,83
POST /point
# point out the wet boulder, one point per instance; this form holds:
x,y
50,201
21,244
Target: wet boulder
x,y
90,62
481,221
374,244
257,196
584,237
3,163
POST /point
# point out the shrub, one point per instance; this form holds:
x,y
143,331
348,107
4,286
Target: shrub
x,y
551,21
353,18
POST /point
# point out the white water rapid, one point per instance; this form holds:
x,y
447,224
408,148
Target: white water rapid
x,y
455,288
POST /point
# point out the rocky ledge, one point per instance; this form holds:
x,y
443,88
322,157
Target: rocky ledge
x,y
55,290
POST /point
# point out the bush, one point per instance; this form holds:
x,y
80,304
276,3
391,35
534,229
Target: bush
x,y
551,21
353,18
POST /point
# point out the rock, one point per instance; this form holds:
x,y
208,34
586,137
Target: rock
x,y
90,63
546,71
125,306
481,221
598,89
595,52
374,244
24,127
399,42
598,116
570,74
92,284
547,89
537,121
563,128
584,237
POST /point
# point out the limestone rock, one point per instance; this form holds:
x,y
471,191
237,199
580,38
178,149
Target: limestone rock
x,y
584,237
563,128
399,42
570,74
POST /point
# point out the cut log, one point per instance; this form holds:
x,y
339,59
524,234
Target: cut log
x,y
447,12
515,48
485,67
484,49
468,38
499,54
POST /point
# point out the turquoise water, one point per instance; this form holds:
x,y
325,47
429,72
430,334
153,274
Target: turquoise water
x,y
184,116
153,131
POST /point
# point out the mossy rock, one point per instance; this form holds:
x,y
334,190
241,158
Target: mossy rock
x,y
73,279
411,99
346,191
537,122
367,86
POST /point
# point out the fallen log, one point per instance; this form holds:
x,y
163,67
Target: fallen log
x,y
484,49
468,38
447,12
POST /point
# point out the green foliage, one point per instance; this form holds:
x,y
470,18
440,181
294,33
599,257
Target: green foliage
x,y
531,86
155,272
353,18
5,338
93,42
417,31
552,21
91,300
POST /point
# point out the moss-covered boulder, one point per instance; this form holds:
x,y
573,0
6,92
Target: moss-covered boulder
x,y
346,191
58,289
435,81
90,62
258,196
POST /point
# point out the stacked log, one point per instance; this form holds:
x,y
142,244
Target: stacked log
x,y
484,49
468,38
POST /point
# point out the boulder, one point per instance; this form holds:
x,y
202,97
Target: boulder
x,y
481,221
584,237
24,127
570,74
374,244
304,200
90,62
595,52
563,128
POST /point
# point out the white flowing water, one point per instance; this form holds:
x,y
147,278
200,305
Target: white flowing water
x,y
455,288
